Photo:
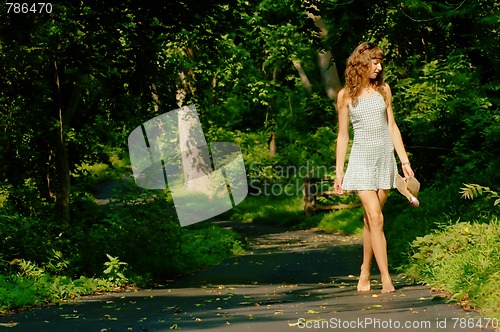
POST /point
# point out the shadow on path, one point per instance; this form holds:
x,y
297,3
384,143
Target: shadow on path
x,y
288,280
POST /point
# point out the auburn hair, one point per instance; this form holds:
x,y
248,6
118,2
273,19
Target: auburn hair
x,y
358,68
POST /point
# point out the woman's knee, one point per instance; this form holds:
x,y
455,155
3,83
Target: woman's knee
x,y
375,221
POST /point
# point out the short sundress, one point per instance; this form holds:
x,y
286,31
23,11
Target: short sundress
x,y
372,164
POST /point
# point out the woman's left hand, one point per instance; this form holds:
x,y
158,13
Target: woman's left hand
x,y
407,171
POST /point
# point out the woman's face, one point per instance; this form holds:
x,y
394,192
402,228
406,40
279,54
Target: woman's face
x,y
375,68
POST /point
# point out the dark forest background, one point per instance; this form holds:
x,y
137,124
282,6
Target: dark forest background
x,y
77,80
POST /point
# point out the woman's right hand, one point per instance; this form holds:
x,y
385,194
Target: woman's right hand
x,y
338,185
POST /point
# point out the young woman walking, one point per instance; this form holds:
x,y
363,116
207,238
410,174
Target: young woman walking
x,y
366,101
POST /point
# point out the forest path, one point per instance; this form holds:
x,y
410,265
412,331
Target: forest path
x,y
288,279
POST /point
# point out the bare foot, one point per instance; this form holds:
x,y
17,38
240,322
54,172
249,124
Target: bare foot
x,y
364,281
387,286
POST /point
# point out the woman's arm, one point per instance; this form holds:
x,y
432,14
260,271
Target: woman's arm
x,y
397,140
342,139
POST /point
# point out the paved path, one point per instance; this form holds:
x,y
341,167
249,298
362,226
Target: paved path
x,y
288,280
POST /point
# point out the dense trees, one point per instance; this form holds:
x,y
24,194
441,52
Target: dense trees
x,y
75,82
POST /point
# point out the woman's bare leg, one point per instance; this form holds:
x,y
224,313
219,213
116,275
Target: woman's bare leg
x,y
374,243
364,276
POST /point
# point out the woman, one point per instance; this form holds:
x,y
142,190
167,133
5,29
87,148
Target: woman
x,y
371,171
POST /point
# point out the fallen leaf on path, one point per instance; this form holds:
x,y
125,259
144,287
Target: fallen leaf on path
x,y
9,324
169,308
311,311
70,316
375,306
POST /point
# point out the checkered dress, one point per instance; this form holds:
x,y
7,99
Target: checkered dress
x,y
371,163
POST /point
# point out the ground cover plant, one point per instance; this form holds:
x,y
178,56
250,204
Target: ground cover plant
x,y
463,259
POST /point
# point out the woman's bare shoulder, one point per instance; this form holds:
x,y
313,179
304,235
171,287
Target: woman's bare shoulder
x,y
342,97
386,87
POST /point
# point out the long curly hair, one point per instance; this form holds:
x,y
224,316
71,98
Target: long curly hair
x,y
358,69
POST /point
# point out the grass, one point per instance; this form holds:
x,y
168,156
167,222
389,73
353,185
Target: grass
x,y
289,211
463,259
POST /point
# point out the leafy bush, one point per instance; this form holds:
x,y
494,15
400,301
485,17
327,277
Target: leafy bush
x,y
463,259
28,284
139,228
447,119
147,236
26,237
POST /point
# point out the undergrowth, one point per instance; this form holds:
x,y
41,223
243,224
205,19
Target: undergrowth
x,y
463,259
27,284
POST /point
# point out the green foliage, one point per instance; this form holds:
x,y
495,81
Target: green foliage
x,y
431,243
345,222
28,284
150,224
206,246
283,210
463,259
35,235
439,206
115,271
473,190
288,210
445,119
118,66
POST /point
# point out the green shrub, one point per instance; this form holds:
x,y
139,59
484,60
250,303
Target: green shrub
x,y
463,259
439,205
147,236
28,284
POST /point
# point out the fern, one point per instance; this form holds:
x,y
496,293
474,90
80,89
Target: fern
x,y
471,191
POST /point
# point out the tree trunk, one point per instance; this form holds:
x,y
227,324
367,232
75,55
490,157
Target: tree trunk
x,y
61,155
329,73
272,144
62,170
302,75
61,160
195,156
